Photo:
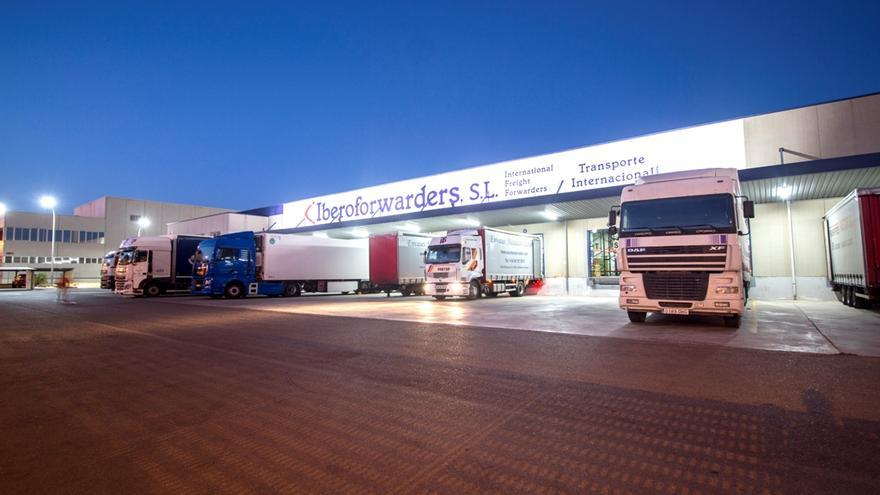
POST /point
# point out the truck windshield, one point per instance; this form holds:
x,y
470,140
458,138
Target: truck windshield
x,y
207,249
682,215
125,257
444,254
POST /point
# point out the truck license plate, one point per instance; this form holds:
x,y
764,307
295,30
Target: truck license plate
x,y
675,311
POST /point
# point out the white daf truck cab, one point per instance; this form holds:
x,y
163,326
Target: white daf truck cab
x,y
684,245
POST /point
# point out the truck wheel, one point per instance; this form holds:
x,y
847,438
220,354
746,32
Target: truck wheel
x,y
474,290
732,321
292,290
519,291
637,316
152,290
440,298
858,302
234,291
848,296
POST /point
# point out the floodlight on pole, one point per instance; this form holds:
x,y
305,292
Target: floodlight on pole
x,y
142,223
2,209
49,203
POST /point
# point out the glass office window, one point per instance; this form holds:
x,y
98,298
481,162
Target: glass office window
x,y
34,234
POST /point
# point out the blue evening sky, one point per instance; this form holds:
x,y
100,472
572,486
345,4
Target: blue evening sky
x,y
246,104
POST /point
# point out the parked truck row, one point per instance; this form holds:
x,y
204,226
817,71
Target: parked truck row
x,y
684,249
466,264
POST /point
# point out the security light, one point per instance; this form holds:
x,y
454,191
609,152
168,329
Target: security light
x,y
143,222
408,227
2,209
550,215
473,222
48,202
784,192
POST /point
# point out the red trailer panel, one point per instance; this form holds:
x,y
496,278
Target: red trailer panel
x,y
383,259
869,207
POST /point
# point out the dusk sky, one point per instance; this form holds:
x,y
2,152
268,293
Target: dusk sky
x,y
248,104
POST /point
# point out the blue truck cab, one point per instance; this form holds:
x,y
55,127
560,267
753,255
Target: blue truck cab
x,y
227,266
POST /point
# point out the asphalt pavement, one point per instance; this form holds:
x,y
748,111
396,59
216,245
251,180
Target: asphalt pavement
x,y
119,395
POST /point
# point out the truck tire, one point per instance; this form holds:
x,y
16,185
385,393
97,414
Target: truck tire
x,y
474,290
152,290
234,290
292,290
519,291
859,302
732,321
637,316
847,295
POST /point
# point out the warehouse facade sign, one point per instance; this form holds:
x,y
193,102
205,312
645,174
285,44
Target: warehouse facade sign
x,y
611,164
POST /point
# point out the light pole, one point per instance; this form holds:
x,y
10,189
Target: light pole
x,y
142,222
49,203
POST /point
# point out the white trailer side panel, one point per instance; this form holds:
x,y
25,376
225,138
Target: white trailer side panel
x,y
410,260
510,255
846,248
293,257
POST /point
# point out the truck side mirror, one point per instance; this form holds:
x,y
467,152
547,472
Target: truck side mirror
x,y
612,218
424,257
749,209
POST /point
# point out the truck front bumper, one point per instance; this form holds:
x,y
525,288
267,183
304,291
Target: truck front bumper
x,y
201,287
450,289
723,297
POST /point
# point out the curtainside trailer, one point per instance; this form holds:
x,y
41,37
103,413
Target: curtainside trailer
x,y
397,262
852,235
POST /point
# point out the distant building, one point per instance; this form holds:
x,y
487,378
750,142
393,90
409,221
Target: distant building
x,y
82,239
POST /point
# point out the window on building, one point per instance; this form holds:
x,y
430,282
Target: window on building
x,y
34,235
134,218
42,235
82,236
18,234
25,234
66,236
7,259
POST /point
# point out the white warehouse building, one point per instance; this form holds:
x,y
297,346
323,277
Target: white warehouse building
x,y
809,156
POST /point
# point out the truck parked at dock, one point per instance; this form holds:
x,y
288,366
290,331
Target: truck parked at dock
x,y
108,270
154,265
684,246
246,264
852,237
475,262
397,262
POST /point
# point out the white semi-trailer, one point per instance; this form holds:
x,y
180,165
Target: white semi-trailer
x,y
244,263
155,265
475,262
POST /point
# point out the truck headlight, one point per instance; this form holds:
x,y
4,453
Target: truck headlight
x,y
727,290
627,288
